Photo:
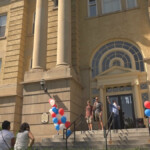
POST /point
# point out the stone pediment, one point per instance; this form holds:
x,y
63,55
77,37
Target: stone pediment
x,y
115,70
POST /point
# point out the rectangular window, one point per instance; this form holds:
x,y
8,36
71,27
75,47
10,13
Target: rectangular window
x,y
92,8
109,6
2,25
131,4
55,3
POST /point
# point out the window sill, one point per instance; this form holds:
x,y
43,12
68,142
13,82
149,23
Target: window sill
x,y
55,8
3,38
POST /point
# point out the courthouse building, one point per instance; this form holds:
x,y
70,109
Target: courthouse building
x,y
80,49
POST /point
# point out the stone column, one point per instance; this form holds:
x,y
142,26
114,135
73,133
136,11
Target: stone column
x,y
136,98
64,33
40,35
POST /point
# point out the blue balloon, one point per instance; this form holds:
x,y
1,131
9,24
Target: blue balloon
x,y
54,109
55,120
57,127
147,112
63,119
68,132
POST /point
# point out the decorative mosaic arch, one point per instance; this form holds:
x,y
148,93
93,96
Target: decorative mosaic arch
x,y
109,55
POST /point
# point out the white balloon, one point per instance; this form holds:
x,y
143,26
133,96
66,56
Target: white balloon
x,y
62,126
55,124
50,111
52,102
58,116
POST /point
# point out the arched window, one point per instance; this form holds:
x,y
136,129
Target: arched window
x,y
116,63
121,51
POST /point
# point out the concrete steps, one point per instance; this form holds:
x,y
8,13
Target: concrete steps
x,y
122,139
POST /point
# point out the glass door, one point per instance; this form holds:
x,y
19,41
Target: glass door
x,y
126,112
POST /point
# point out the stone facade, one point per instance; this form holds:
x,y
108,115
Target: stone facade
x,y
67,49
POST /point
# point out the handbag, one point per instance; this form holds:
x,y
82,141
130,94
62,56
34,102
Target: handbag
x,y
5,142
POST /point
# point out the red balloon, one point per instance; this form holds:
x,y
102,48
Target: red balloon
x,y
59,121
53,114
147,104
67,124
54,105
61,111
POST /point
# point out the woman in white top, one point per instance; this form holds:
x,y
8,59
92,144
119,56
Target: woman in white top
x,y
23,138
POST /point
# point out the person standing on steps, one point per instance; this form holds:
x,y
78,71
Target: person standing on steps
x,y
115,110
89,115
98,112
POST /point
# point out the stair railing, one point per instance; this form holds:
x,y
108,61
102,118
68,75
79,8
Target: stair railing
x,y
79,121
108,126
149,125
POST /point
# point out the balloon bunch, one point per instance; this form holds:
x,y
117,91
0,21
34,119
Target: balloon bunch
x,y
147,105
59,118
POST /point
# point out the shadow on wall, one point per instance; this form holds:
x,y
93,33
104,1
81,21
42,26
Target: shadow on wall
x,y
60,103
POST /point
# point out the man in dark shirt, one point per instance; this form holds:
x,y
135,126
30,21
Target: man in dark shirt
x,y
115,110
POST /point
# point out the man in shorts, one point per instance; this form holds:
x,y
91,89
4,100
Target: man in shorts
x,y
89,115
98,113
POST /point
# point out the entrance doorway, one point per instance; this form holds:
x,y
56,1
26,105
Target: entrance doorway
x,y
127,116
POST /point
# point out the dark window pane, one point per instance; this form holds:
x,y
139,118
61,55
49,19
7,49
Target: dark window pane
x,y
137,66
2,31
141,66
92,2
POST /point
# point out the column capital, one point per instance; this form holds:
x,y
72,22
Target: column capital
x,y
135,82
101,87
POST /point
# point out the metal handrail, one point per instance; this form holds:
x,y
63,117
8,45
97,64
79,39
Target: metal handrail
x,y
80,117
109,129
149,125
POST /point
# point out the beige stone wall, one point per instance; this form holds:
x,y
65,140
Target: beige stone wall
x,y
51,35
35,103
75,34
12,54
11,108
77,102
13,67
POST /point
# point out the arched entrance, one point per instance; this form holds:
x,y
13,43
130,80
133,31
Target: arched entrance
x,y
118,71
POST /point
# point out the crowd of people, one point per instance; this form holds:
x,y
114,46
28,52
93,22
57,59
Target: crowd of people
x,y
23,139
95,112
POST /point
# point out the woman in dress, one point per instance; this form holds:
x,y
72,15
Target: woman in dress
x,y
23,138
